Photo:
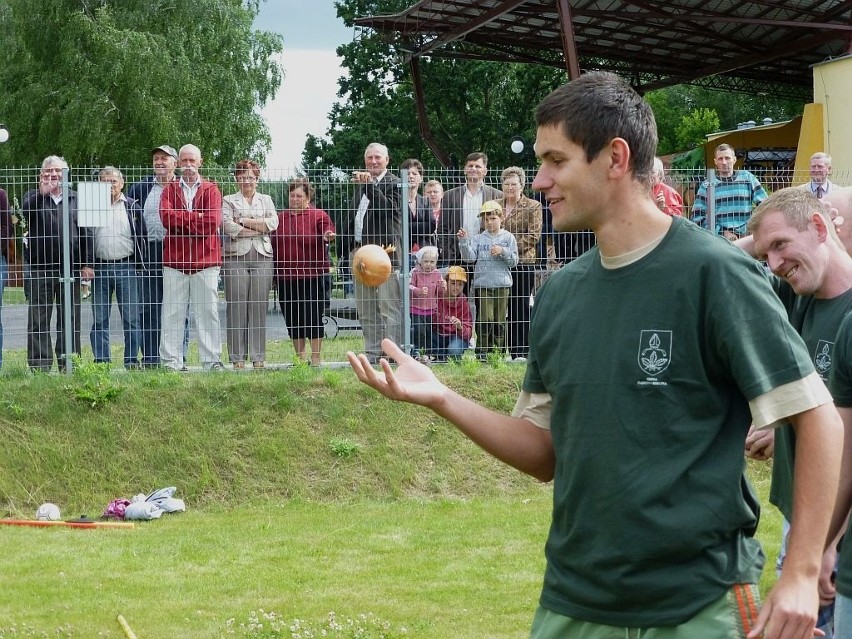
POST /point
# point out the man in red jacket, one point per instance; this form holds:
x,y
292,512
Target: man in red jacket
x,y
191,211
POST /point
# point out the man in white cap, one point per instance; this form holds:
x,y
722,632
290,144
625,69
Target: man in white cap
x,y
148,193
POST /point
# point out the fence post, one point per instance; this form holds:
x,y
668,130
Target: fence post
x,y
405,275
67,278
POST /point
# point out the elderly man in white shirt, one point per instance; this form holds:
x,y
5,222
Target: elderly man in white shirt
x,y
120,249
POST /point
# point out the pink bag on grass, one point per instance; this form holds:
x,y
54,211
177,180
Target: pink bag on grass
x,y
115,509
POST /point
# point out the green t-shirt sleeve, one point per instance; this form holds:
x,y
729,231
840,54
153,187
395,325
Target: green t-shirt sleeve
x,y
750,330
840,377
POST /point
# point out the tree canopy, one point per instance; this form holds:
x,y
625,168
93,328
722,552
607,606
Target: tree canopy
x,y
685,114
102,81
472,105
475,105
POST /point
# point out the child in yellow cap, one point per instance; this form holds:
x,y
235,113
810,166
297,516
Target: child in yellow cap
x,y
453,324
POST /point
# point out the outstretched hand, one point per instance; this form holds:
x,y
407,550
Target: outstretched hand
x,y
411,382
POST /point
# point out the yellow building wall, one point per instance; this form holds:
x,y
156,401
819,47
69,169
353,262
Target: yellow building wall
x,y
811,140
833,90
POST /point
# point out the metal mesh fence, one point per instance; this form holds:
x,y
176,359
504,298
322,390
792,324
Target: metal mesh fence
x,y
213,303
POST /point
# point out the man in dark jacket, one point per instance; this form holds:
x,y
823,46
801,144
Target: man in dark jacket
x,y
7,235
148,193
43,209
460,208
376,219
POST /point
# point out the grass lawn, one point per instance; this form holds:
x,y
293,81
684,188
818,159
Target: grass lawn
x,y
306,494
437,568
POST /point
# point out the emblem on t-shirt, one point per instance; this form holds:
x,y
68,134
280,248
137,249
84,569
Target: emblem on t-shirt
x,y
822,358
655,348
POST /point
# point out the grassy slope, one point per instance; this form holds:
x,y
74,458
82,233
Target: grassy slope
x,y
226,438
416,525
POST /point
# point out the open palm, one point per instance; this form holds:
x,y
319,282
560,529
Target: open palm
x,y
411,381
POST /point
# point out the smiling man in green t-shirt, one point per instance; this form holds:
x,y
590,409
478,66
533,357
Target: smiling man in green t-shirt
x,y
813,278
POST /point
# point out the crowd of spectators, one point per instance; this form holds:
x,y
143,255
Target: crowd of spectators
x,y
168,247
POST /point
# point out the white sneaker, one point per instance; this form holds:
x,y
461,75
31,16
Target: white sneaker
x,y
425,359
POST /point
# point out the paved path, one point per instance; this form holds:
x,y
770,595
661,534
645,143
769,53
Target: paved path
x,y
15,323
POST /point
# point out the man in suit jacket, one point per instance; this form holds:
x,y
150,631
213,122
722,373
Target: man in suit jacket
x,y
191,212
820,169
121,247
376,219
460,208
42,209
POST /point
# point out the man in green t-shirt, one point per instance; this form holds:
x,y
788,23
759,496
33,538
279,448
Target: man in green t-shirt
x,y
649,357
813,278
820,311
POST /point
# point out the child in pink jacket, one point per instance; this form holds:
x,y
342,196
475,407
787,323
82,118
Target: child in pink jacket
x,y
425,282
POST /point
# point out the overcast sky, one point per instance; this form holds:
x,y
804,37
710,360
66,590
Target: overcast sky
x,y
311,33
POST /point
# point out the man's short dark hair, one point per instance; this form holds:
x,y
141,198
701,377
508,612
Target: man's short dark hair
x,y
477,155
598,107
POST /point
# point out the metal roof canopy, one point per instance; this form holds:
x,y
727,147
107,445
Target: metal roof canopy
x,y
757,47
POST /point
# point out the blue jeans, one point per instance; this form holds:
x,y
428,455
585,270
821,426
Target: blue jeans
x,y
826,615
120,278
151,307
4,272
448,346
843,617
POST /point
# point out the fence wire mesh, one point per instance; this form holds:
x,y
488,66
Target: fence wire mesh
x,y
260,284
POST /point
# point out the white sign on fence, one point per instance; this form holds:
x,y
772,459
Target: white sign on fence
x,y
93,203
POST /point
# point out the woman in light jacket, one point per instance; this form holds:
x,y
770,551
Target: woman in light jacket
x,y
522,218
248,217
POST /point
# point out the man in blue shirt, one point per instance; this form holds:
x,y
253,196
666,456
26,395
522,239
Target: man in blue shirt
x,y
735,194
